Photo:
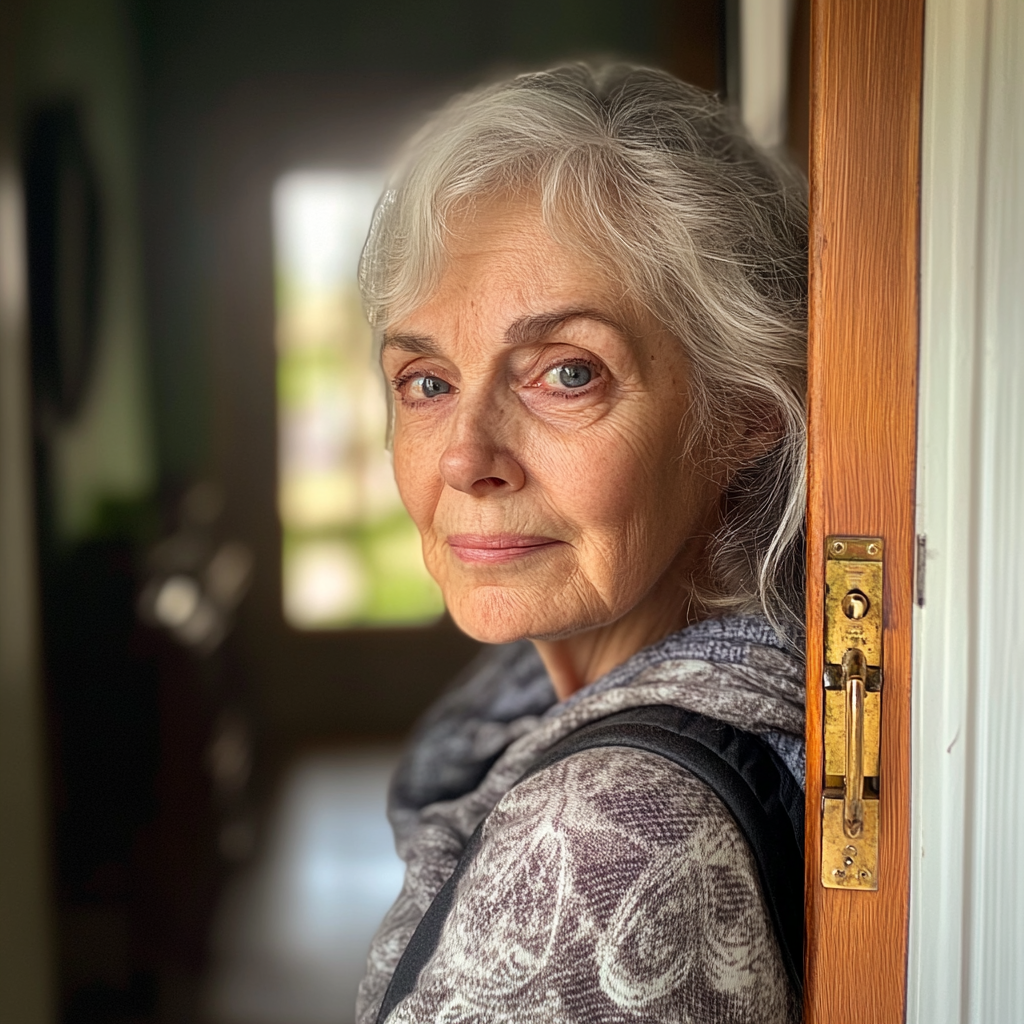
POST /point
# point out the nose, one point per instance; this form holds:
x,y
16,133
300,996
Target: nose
x,y
475,460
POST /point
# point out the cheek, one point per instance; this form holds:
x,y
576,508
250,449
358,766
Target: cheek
x,y
607,478
631,496
416,473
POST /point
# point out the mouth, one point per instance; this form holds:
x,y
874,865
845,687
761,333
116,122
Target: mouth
x,y
494,548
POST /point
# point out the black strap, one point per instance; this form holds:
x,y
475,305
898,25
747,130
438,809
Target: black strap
x,y
739,767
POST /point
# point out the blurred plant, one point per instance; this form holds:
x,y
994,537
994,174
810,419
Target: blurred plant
x,y
196,581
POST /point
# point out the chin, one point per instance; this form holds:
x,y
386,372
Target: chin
x,y
490,615
502,615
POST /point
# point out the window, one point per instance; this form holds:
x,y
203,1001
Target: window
x,y
351,555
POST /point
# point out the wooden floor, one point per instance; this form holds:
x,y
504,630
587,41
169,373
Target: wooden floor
x,y
293,931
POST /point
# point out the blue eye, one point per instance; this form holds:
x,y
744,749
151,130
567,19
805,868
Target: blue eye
x,y
428,387
573,375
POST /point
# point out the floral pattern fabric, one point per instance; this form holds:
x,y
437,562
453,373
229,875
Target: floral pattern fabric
x,y
612,886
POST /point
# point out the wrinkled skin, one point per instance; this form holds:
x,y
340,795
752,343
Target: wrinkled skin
x,y
575,514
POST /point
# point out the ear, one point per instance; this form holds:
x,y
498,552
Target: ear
x,y
753,431
764,430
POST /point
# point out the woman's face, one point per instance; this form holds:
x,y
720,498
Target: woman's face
x,y
541,439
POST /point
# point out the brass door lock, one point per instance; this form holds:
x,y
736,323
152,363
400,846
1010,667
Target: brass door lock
x,y
852,712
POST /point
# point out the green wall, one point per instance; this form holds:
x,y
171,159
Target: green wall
x,y
84,50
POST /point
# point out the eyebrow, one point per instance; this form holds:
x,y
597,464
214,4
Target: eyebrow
x,y
523,331
416,344
534,326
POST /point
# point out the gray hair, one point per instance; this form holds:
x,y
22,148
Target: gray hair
x,y
663,187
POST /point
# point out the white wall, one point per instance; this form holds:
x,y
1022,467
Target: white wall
x,y
766,29
967,888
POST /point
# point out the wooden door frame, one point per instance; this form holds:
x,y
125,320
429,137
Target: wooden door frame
x,y
866,81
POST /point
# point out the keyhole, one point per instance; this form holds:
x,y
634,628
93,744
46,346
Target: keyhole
x,y
855,605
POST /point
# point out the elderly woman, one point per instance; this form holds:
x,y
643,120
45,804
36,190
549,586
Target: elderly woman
x,y
589,289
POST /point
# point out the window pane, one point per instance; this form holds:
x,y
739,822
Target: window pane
x,y
351,554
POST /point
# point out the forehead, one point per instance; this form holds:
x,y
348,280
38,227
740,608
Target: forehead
x,y
502,259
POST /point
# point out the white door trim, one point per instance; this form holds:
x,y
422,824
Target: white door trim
x,y
967,886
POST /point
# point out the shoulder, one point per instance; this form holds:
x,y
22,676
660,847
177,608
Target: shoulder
x,y
614,883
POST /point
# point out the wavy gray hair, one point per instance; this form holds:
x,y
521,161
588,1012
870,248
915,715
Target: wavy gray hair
x,y
661,184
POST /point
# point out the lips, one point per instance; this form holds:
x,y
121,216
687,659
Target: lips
x,y
495,548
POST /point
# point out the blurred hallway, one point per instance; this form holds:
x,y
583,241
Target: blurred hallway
x,y
187,421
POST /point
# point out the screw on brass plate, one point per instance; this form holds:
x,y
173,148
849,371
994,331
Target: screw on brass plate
x,y
838,547
872,549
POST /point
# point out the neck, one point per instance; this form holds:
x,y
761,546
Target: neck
x,y
578,660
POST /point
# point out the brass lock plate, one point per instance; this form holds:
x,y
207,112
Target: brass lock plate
x,y
848,863
853,567
852,712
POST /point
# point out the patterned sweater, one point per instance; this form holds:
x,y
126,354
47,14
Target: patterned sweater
x,y
612,886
